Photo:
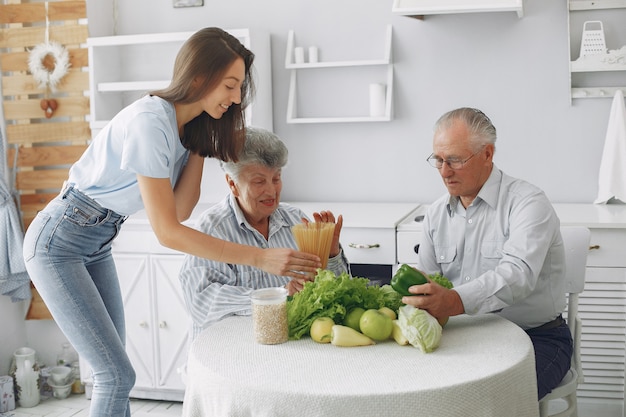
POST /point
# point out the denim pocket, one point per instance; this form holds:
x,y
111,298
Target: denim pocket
x,y
83,217
33,234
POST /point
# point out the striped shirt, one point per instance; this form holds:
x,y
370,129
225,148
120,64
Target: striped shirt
x,y
214,290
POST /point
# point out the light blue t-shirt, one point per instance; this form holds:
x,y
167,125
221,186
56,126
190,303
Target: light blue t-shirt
x,y
141,139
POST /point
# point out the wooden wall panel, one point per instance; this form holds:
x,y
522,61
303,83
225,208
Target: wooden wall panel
x,y
29,132
24,134
42,149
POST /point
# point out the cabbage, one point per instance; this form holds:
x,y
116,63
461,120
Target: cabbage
x,y
420,328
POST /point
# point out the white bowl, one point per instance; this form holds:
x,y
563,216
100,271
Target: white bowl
x,y
61,391
60,375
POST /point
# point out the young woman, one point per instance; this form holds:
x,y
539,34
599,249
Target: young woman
x,y
150,156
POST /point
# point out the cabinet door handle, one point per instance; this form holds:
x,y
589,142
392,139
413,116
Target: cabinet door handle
x,y
143,324
593,247
364,245
163,325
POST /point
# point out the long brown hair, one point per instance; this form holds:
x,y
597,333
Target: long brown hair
x,y
206,56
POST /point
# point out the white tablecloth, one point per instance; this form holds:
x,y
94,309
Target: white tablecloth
x,y
484,367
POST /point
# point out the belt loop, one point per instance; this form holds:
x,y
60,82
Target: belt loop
x,y
66,188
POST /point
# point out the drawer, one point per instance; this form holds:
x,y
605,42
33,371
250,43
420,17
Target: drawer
x,y
139,241
408,245
369,246
608,248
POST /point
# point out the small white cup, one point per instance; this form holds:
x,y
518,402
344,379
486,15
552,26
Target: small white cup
x,y
60,375
313,54
298,52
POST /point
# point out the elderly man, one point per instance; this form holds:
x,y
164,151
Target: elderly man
x,y
251,214
498,240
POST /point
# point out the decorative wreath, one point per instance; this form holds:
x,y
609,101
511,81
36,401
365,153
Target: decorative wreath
x,y
46,73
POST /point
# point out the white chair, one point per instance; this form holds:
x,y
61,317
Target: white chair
x,y
576,243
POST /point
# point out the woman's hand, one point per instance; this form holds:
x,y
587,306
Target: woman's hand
x,y
296,284
289,263
329,217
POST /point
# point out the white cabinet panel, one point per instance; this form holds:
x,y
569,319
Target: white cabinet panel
x,y
172,321
369,246
608,248
134,277
603,311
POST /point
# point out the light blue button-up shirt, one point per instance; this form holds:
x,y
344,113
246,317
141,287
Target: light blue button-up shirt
x,y
214,290
504,253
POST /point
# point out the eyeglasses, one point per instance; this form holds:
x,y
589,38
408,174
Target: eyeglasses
x,y
453,163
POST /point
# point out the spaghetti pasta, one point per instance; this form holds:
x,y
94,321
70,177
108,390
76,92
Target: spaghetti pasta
x,y
315,238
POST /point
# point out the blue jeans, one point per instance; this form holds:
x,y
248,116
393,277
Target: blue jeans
x,y
553,356
67,250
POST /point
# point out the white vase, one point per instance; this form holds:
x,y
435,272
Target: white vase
x,y
26,377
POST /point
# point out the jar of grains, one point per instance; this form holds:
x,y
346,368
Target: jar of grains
x,y
269,315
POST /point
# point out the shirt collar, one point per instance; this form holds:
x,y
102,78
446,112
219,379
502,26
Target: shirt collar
x,y
488,193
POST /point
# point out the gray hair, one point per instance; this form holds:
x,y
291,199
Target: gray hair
x,y
481,129
261,147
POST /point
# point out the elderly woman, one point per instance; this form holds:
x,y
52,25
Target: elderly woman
x,y
251,214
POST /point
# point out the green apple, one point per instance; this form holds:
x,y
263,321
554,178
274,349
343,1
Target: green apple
x,y
353,317
376,325
321,329
389,312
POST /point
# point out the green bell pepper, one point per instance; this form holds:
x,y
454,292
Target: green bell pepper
x,y
406,277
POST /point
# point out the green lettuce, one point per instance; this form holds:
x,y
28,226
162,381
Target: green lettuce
x,y
420,328
333,296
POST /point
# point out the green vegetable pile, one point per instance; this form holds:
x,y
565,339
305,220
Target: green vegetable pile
x,y
441,280
333,296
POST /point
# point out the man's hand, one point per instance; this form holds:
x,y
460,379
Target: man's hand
x,y
435,299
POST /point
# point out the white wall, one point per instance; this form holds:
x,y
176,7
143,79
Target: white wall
x,y
13,331
516,70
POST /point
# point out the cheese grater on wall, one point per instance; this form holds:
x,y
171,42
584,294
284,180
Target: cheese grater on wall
x,y
593,39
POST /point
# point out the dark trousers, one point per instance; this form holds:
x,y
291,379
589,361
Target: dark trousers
x,y
553,355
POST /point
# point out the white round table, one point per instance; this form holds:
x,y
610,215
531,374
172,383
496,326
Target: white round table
x,y
484,367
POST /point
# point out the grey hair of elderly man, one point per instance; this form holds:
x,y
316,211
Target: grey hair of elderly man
x,y
261,147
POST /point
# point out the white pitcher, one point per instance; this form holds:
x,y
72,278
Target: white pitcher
x,y
26,377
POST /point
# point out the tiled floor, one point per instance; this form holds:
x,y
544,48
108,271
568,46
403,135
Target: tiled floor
x,y
78,406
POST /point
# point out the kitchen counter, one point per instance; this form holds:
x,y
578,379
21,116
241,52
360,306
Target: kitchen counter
x,y
606,216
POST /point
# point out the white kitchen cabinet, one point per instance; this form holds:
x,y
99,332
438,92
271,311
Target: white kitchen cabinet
x,y
157,322
598,75
419,8
125,67
351,69
602,307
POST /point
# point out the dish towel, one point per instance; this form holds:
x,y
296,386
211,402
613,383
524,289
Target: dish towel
x,y
14,280
612,178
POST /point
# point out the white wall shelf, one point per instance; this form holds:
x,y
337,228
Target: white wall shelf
x,y
419,8
592,64
386,60
124,67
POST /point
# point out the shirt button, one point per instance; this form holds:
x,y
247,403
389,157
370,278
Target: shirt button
x,y
467,278
470,221
441,257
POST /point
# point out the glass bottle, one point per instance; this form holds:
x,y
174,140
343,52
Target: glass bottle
x,y
77,386
67,356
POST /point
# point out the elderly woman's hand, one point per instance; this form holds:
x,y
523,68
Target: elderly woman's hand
x,y
329,217
296,284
